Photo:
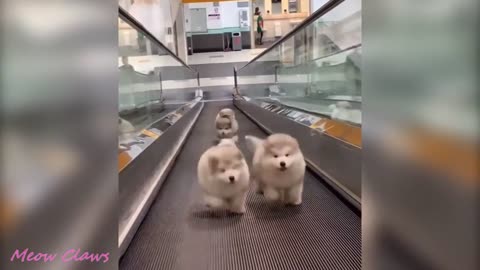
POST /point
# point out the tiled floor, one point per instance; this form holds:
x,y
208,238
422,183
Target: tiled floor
x,y
223,57
266,44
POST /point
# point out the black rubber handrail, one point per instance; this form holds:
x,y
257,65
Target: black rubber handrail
x,y
313,17
122,13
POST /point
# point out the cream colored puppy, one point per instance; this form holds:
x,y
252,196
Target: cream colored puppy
x,y
342,110
227,142
226,124
224,177
278,167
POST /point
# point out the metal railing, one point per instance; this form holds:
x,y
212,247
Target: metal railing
x,y
124,15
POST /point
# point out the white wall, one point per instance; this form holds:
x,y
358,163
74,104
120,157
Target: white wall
x,y
229,14
339,12
156,16
186,15
343,10
211,24
261,5
181,38
316,4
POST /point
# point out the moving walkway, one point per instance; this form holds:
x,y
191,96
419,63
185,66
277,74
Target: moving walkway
x,y
163,224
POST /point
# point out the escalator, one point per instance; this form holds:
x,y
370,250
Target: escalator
x,y
178,232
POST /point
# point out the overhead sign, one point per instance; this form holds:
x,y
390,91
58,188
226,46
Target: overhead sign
x,y
215,15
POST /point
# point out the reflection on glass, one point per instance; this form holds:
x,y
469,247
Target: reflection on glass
x,y
150,80
316,70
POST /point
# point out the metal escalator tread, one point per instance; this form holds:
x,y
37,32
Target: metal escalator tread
x,y
179,233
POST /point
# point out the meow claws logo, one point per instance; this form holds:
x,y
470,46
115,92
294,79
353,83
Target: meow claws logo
x,y
71,255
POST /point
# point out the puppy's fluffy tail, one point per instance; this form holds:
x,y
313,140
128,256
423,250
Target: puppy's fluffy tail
x,y
252,142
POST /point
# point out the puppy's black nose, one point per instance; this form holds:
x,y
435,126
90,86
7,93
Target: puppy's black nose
x,y
231,178
282,164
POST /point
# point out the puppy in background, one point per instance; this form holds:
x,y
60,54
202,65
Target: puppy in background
x,y
226,124
278,168
124,126
342,110
126,131
224,177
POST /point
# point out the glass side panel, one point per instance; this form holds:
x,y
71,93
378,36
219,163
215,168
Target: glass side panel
x,y
318,69
152,83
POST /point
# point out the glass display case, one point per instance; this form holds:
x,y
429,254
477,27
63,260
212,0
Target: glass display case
x,y
316,68
153,84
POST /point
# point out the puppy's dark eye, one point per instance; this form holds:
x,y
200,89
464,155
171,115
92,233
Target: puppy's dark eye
x,y
275,156
286,155
222,170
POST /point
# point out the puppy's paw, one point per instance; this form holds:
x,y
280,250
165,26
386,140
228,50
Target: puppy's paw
x,y
212,202
258,189
294,203
257,185
238,210
271,194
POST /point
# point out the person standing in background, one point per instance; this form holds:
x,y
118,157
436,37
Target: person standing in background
x,y
260,27
125,65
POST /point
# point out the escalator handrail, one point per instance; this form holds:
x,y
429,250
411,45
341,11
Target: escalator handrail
x,y
122,13
313,17
326,56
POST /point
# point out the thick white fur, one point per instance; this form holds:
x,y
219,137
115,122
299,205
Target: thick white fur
x,y
126,131
276,184
226,124
253,143
215,168
124,126
227,142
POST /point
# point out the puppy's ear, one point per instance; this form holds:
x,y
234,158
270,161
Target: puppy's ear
x,y
213,163
267,145
239,155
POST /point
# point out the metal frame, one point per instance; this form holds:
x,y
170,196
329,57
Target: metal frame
x,y
235,78
146,168
328,55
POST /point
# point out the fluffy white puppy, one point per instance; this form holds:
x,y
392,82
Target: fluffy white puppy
x,y
342,110
224,177
278,167
226,124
